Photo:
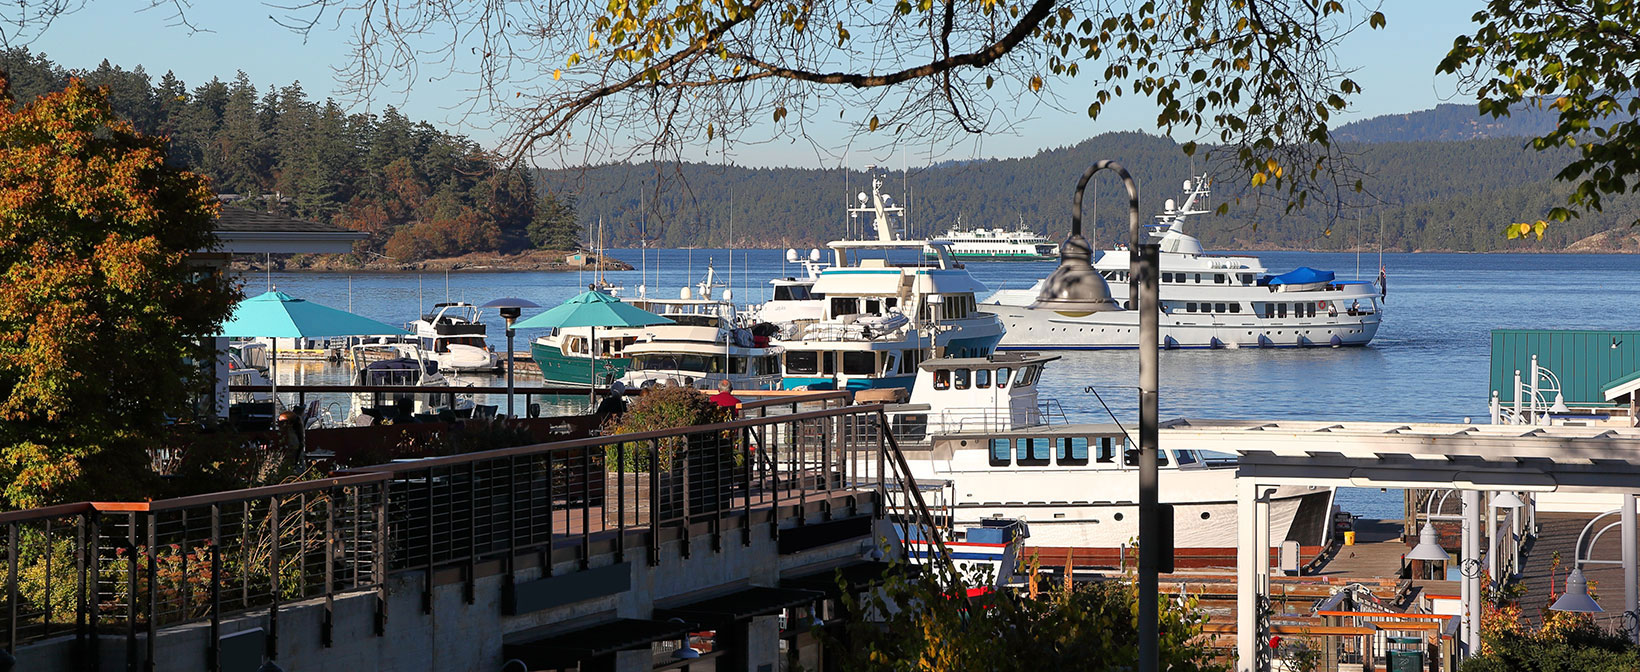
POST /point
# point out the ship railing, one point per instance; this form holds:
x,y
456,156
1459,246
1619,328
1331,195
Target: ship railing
x,y
833,331
128,569
986,419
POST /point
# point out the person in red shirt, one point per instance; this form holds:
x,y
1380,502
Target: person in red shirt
x,y
725,399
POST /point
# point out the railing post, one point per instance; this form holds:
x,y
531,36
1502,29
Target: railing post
x,y
327,620
11,585
746,489
586,507
213,652
620,501
654,503
153,591
131,590
379,556
273,591
427,540
468,573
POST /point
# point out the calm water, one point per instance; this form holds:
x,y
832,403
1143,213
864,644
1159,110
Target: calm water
x,y
1428,363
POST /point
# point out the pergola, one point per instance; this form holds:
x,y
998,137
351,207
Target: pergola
x,y
1470,458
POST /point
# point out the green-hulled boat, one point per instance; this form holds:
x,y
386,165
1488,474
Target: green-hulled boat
x,y
564,358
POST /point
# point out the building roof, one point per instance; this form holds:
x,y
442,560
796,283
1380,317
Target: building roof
x,y
245,231
1585,361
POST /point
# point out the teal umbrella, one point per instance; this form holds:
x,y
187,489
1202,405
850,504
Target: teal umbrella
x,y
593,309
276,314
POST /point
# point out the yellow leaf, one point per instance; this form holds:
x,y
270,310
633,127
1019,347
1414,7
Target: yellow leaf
x,y
1259,179
874,122
556,74
1036,83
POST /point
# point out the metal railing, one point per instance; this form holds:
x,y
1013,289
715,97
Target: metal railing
x,y
95,569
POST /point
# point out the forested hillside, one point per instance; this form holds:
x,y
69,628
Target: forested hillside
x,y
1450,121
1430,195
418,191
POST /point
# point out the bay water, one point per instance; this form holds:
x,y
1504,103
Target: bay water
x,y
1428,362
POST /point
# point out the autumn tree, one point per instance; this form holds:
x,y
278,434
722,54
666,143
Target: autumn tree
x,y
101,309
1579,58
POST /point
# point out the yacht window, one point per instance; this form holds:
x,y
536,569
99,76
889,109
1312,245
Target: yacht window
x,y
1167,277
942,379
1190,307
890,303
1281,310
844,306
982,379
1218,278
737,365
960,376
1131,458
828,363
1246,278
1235,307
1072,450
907,366
1218,307
859,363
1002,376
1198,278
1032,451
1024,377
1185,457
874,306
1309,310
1001,450
1107,450
782,293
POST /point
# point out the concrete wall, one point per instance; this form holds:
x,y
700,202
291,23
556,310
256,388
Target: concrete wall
x,y
461,636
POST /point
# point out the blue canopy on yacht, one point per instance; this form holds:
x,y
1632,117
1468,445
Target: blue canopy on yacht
x,y
1303,275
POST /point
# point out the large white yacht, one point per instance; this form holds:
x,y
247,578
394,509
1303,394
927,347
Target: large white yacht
x,y
979,438
884,310
453,337
1208,300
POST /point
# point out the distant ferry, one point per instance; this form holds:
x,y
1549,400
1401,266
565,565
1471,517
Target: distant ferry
x,y
997,245
1208,300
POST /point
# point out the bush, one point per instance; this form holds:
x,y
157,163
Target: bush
x,y
1565,642
662,408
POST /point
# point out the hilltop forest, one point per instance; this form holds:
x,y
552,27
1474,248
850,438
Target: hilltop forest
x,y
1434,195
417,191
1440,179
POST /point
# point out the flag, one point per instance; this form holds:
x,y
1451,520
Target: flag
x,y
1383,284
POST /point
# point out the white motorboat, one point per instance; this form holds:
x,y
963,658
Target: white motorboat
x,y
706,343
453,337
390,365
976,428
1208,300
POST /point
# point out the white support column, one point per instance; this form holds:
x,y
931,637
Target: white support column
x,y
1470,574
1247,644
1631,570
1262,506
1493,548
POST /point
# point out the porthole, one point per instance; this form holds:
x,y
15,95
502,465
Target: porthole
x,y
1206,515
1118,517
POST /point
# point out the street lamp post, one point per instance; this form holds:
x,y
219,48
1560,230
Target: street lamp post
x,y
1076,289
510,309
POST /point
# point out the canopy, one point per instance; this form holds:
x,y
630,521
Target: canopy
x,y
276,314
1303,275
592,309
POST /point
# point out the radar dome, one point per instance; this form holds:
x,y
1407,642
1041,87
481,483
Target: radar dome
x,y
1187,185
814,254
1168,205
685,294
791,255
863,197
728,294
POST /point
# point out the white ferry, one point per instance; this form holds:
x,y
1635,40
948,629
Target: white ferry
x,y
884,310
976,429
998,244
453,337
1208,301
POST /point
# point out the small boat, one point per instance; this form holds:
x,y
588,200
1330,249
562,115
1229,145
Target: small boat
x,y
453,337
990,550
390,365
706,343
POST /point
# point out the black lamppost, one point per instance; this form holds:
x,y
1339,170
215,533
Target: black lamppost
x,y
1076,289
509,309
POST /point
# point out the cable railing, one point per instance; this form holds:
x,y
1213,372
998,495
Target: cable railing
x,y
99,569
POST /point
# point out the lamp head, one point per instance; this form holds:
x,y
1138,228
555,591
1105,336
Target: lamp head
x,y
510,308
1429,546
1559,406
1507,500
1576,598
1075,289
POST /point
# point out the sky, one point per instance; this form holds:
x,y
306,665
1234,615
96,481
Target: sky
x,y
1395,66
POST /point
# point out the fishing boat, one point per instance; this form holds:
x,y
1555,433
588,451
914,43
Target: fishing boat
x,y
390,365
977,428
998,244
453,337
1208,300
883,309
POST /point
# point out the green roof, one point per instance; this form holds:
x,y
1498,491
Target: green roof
x,y
1586,361
1625,380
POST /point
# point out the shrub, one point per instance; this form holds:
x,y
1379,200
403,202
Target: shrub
x,y
662,408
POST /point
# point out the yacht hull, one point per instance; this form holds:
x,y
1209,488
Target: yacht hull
x,y
1031,329
557,369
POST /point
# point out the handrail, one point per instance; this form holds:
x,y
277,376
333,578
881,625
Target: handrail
x,y
597,441
415,389
902,473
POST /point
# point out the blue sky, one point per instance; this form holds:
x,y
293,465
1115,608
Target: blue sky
x,y
1395,67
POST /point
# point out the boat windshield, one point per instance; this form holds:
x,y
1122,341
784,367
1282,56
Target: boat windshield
x,y
792,293
678,362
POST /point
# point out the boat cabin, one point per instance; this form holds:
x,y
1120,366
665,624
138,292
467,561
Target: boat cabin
x,y
964,394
